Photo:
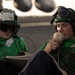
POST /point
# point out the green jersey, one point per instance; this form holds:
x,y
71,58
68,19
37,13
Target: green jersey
x,y
65,55
12,46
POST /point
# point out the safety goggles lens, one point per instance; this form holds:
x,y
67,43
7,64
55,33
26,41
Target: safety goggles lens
x,y
64,12
8,27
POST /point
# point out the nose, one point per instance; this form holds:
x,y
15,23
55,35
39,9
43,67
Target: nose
x,y
8,31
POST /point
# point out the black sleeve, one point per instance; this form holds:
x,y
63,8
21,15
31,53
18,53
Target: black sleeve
x,y
41,63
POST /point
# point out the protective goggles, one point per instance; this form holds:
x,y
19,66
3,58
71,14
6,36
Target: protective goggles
x,y
8,27
64,13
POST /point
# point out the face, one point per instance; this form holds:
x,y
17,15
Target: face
x,y
66,29
5,35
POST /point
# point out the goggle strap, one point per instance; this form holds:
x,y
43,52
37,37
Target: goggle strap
x,y
54,16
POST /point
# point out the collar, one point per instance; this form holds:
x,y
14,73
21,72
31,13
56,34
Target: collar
x,y
68,43
9,42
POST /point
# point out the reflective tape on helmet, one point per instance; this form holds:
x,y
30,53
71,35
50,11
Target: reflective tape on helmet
x,y
5,16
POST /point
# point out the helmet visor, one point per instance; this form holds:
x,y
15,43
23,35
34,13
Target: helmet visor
x,y
63,14
8,27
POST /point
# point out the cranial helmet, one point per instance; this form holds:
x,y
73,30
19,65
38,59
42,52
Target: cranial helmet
x,y
9,20
64,14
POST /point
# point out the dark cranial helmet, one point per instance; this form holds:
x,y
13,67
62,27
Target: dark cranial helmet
x,y
9,20
64,14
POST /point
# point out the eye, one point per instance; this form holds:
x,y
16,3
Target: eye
x,y
65,24
58,25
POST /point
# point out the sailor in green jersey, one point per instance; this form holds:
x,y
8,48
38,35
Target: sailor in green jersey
x,y
11,44
55,58
64,20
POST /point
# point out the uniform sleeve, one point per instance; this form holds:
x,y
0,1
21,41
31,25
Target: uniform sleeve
x,y
23,44
44,45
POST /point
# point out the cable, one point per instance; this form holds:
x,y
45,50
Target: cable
x,y
30,40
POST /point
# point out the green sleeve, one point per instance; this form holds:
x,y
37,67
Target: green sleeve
x,y
23,44
44,45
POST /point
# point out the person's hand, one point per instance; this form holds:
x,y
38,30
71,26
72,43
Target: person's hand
x,y
64,72
55,42
52,45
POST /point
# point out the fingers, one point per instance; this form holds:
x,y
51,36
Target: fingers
x,y
54,44
51,46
